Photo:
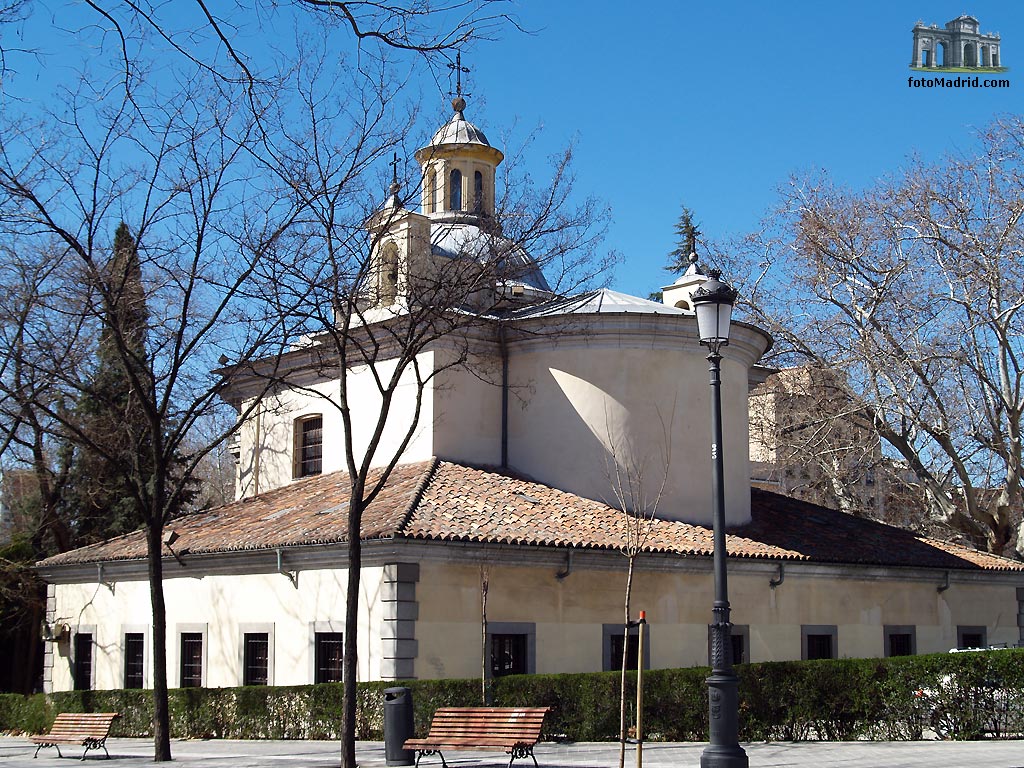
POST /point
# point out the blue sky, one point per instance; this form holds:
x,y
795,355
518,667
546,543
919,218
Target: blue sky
x,y
711,104
716,104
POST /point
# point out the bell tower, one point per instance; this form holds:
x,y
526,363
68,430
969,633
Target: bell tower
x,y
399,246
459,167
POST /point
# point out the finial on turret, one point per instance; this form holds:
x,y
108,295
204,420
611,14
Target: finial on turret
x,y
394,201
458,103
394,175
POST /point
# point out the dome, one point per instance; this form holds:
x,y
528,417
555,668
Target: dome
x,y
458,133
468,240
459,130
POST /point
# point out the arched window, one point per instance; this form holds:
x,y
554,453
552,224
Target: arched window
x,y
430,191
389,273
478,192
308,449
455,190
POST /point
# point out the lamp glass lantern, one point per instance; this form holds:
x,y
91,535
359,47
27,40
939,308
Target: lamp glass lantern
x,y
713,303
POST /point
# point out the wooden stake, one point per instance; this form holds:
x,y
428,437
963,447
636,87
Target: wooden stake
x,y
640,691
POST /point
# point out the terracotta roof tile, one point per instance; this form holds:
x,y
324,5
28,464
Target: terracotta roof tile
x,y
309,511
463,503
451,502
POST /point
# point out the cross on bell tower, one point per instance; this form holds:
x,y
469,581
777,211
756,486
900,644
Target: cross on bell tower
x,y
394,174
458,69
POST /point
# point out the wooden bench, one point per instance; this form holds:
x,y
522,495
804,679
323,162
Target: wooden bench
x,y
513,729
87,729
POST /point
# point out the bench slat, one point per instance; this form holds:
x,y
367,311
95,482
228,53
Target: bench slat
x,y
484,728
84,728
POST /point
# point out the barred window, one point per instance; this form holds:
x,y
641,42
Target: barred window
x,y
330,653
508,655
309,445
191,659
819,641
256,658
83,661
134,660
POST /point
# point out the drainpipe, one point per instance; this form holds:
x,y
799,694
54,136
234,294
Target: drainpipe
x,y
256,453
773,583
503,346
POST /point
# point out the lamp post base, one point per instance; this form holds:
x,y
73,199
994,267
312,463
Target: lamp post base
x,y
723,750
723,757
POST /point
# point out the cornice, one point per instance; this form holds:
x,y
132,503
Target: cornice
x,y
376,553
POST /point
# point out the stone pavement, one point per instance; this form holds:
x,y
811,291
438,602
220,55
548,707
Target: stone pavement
x,y
136,753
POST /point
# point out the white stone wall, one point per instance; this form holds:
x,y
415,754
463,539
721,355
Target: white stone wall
x,y
440,621
576,400
267,439
220,606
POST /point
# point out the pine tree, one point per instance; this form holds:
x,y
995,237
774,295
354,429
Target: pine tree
x,y
687,234
686,243
111,411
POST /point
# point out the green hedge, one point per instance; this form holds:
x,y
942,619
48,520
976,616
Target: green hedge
x,y
960,696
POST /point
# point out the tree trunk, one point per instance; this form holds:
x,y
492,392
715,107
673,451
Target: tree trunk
x,y
350,696
161,713
625,655
484,587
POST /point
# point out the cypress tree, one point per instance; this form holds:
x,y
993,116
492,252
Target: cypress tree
x,y
111,410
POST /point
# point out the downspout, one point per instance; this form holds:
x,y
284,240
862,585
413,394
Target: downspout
x,y
503,346
773,583
256,453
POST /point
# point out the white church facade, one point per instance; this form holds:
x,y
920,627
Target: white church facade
x,y
508,477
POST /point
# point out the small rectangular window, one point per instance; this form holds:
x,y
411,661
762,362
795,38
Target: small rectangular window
x,y
971,637
632,650
134,660
612,642
819,641
330,654
83,661
739,648
508,655
256,658
900,641
899,644
191,660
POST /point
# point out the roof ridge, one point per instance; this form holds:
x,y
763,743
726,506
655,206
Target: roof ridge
x,y
417,493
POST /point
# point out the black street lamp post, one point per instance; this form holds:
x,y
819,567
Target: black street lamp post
x,y
713,303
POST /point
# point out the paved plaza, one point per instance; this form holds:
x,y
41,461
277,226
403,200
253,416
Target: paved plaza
x,y
135,753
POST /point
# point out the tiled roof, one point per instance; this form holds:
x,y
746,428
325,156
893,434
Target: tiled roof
x,y
309,511
443,501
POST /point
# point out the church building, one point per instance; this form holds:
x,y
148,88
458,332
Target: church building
x,y
509,479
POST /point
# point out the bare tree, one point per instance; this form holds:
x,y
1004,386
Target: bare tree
x,y
238,43
912,292
637,494
184,172
197,140
382,334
